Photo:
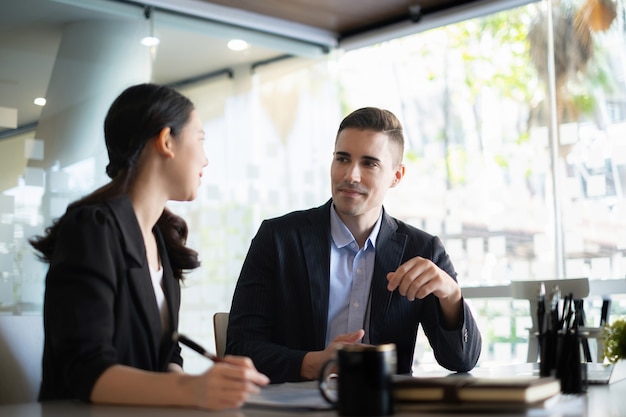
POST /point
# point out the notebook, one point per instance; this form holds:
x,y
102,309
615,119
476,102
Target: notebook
x,y
480,392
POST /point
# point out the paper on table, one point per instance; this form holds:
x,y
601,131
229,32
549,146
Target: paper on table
x,y
290,395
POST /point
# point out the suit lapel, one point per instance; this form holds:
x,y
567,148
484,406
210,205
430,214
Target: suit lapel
x,y
171,289
316,243
170,285
141,284
389,252
139,280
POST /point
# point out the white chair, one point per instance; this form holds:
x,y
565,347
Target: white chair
x,y
579,288
21,347
220,324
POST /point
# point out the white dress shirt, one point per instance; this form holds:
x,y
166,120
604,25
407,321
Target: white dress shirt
x,y
351,270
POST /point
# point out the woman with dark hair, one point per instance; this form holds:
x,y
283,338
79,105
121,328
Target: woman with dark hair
x,y
117,257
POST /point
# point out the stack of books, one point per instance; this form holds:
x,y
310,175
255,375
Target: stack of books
x,y
475,393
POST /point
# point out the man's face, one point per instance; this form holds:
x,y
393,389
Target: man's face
x,y
364,167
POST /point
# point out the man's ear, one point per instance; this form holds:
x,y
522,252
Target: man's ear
x,y
164,142
398,175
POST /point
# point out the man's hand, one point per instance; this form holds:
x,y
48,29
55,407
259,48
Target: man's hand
x,y
313,361
419,277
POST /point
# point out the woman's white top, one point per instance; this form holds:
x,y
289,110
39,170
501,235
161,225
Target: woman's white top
x,y
157,280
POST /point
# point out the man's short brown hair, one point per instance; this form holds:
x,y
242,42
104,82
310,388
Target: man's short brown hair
x,y
377,120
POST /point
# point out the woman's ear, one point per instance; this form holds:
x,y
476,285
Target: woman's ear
x,y
164,142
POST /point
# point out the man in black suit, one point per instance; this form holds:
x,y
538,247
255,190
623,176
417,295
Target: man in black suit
x,y
348,272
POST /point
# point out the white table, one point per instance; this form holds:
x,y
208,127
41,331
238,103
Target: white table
x,y
599,401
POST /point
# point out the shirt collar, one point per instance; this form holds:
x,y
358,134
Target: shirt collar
x,y
342,236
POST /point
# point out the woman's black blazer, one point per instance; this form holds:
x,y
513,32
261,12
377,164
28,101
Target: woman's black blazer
x,y
99,303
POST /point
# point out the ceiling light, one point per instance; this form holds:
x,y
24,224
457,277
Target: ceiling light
x,y
238,45
150,41
40,101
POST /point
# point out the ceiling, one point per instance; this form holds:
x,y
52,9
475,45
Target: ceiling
x,y
31,31
343,17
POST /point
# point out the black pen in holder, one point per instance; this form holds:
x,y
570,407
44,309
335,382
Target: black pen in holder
x,y
547,353
541,314
560,345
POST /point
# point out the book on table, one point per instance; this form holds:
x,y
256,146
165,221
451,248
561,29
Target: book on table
x,y
463,389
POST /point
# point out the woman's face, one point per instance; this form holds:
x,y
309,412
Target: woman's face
x,y
189,159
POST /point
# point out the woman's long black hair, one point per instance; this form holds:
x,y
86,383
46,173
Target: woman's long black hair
x,y
136,116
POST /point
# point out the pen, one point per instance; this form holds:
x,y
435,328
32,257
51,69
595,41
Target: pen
x,y
555,298
606,305
541,309
194,346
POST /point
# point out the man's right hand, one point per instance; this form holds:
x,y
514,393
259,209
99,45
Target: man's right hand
x,y
313,361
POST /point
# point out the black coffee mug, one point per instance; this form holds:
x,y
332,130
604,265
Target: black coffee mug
x,y
363,380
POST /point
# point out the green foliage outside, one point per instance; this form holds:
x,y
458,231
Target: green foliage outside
x,y
614,338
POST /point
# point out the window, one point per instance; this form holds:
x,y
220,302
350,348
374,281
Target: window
x,y
482,171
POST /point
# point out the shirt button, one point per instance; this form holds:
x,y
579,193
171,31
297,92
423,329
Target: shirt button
x,y
356,304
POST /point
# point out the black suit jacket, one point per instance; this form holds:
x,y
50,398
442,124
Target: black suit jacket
x,y
280,305
99,304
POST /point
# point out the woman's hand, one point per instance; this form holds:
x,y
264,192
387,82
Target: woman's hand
x,y
227,384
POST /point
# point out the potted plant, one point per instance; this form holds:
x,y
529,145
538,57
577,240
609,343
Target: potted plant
x,y
614,339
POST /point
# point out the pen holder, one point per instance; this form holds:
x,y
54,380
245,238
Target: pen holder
x,y
548,353
560,357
